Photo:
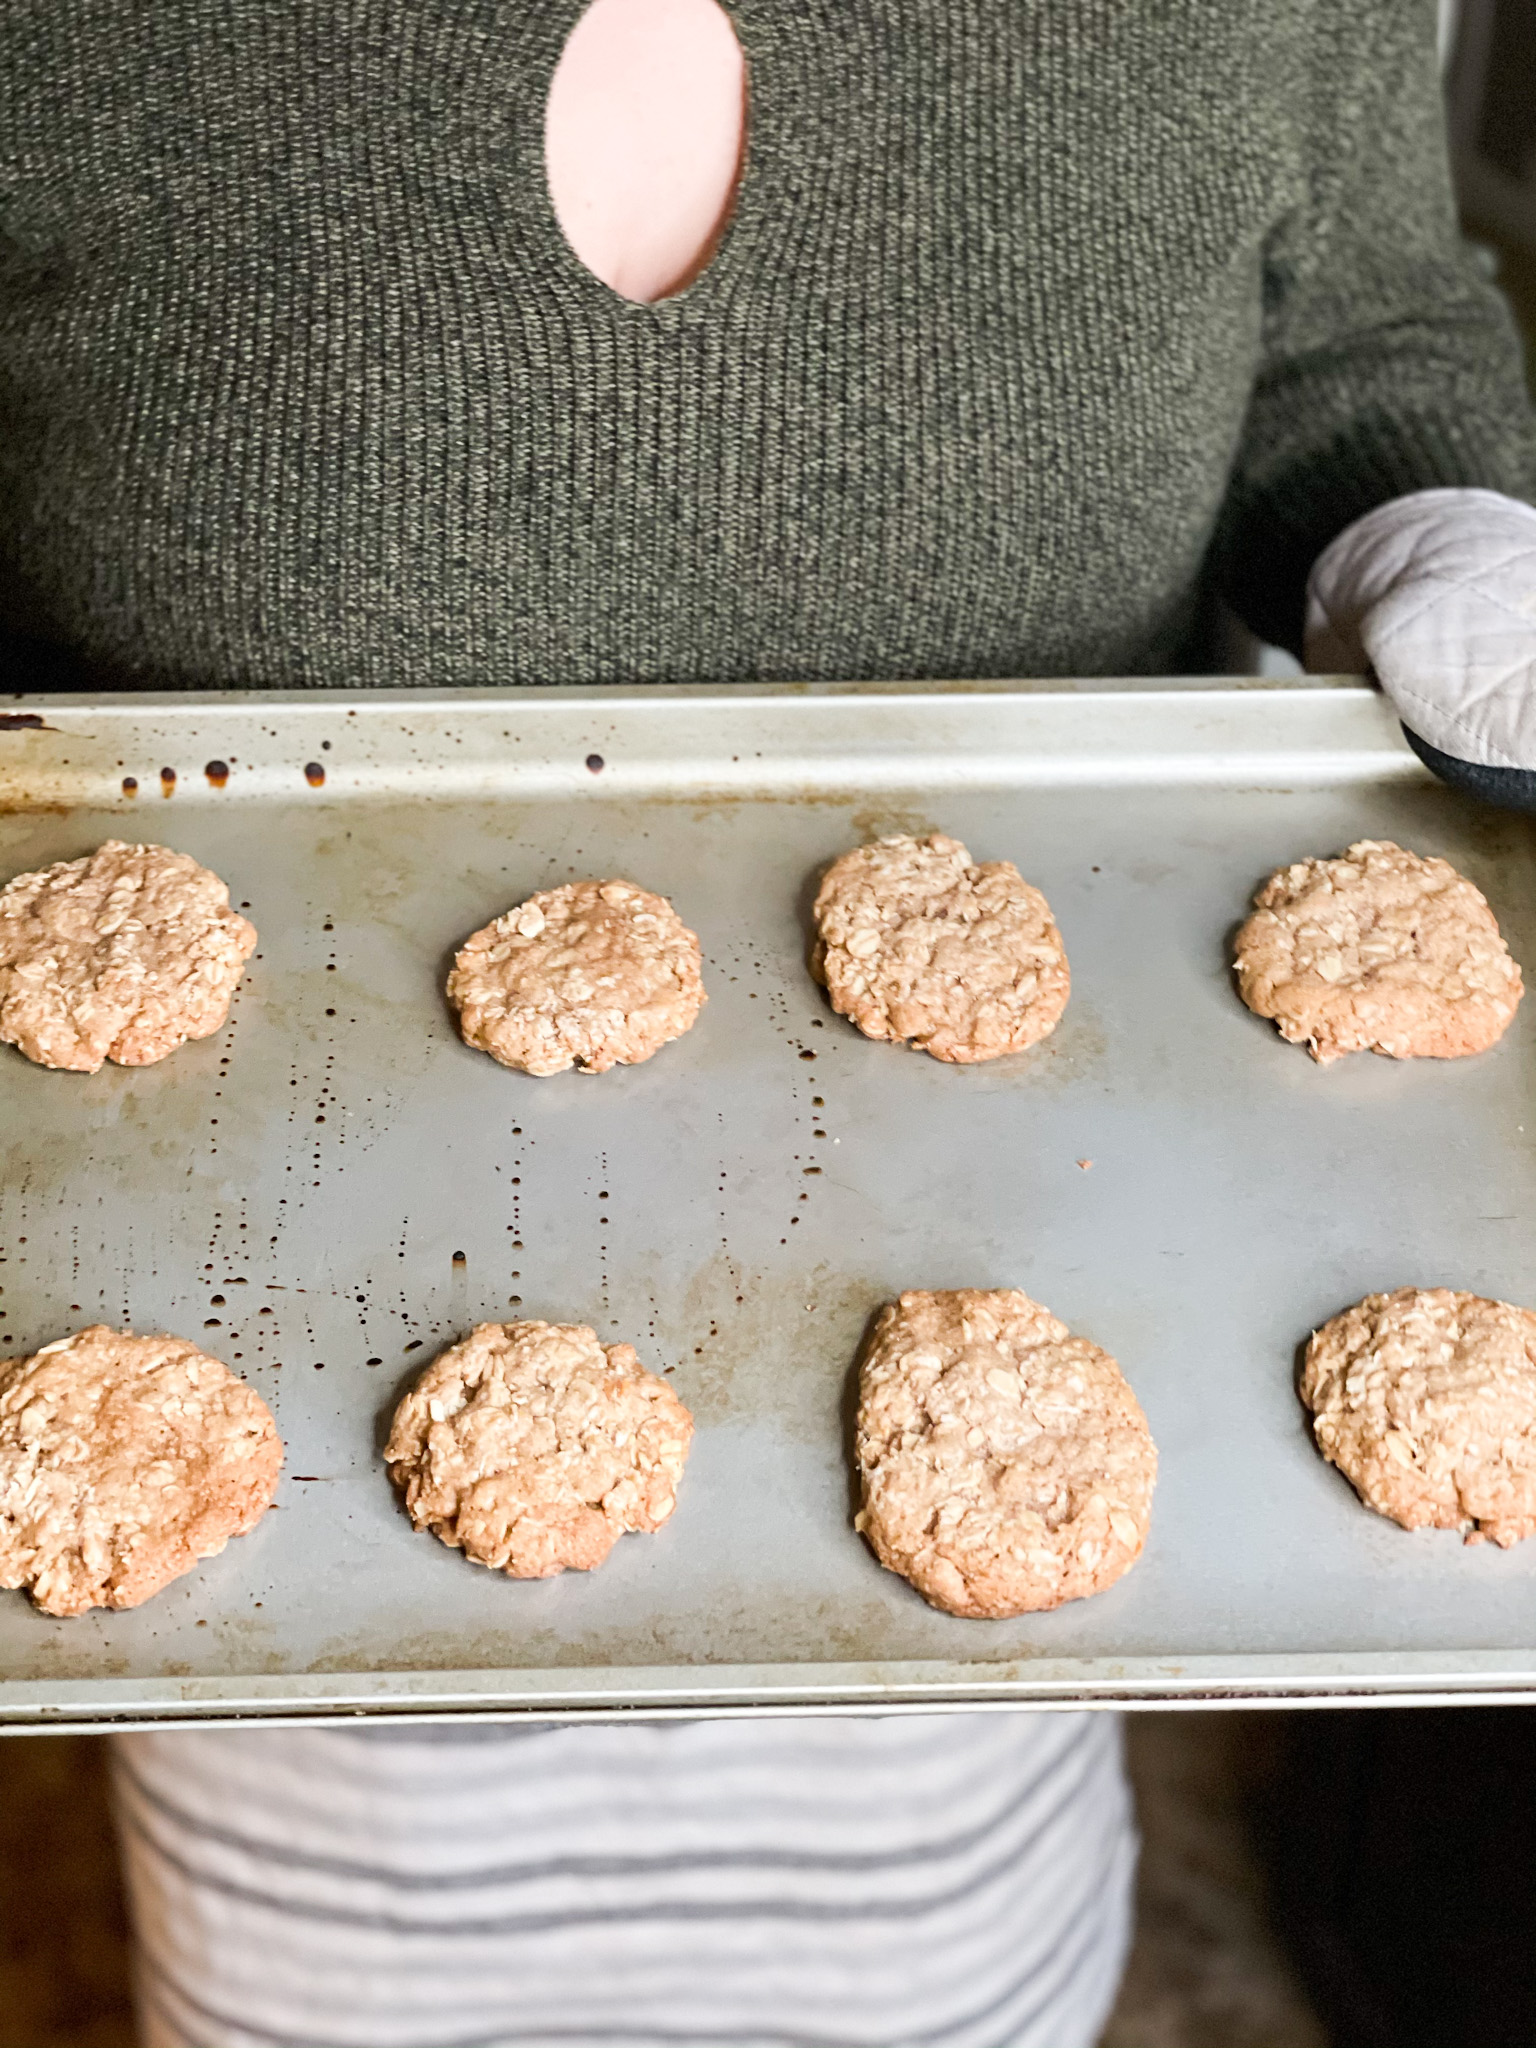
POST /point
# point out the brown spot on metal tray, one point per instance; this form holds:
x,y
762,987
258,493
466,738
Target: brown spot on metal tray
x,y
774,1356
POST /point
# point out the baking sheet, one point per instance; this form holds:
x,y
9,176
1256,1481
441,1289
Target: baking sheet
x,y
334,1186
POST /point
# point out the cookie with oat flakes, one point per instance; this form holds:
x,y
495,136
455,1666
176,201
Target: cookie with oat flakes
x,y
917,942
1425,1399
532,1447
123,955
124,1461
1379,951
591,975
1006,1464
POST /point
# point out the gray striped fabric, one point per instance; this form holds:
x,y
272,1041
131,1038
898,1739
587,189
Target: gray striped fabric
x,y
959,1880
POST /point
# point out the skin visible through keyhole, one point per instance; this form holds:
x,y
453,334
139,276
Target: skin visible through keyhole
x,y
643,140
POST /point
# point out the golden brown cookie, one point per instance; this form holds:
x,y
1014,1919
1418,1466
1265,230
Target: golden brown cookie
x,y
123,956
1377,951
532,1447
1426,1401
917,942
590,975
1006,1463
123,1461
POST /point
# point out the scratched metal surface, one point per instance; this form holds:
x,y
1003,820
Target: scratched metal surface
x,y
334,1186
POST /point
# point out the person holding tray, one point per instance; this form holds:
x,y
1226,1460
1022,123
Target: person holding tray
x,y
470,343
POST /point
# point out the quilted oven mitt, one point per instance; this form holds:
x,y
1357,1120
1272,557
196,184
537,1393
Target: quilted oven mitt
x,y
1436,595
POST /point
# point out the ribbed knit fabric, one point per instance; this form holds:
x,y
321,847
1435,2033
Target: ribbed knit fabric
x,y
961,1881
1026,303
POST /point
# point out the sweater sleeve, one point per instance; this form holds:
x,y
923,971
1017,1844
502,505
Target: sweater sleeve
x,y
1389,365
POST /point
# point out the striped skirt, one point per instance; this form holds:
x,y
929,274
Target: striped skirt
x,y
961,1880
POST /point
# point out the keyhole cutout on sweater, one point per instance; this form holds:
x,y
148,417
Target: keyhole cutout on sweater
x,y
643,140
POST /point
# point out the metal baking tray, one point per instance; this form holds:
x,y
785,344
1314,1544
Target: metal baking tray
x,y
334,1186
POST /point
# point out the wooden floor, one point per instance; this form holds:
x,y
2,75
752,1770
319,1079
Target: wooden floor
x,y
1205,1971
63,1939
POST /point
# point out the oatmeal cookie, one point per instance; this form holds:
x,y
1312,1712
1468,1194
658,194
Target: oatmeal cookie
x,y
591,975
1006,1464
917,942
1377,951
123,956
532,1447
123,1461
1426,1401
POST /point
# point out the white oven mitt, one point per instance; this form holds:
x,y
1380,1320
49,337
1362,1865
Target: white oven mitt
x,y
1436,594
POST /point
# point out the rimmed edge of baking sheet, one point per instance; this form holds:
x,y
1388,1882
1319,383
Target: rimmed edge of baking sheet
x,y
1389,1679
689,742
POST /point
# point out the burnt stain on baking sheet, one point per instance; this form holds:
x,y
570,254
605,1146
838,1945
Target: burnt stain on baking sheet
x,y
883,1621
768,1349
217,773
391,854
314,774
141,1126
889,819
251,1638
1059,1061
26,776
24,721
73,1649
744,1628
69,1648
708,805
19,801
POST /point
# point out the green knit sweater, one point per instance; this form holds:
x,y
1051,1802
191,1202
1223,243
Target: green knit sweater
x,y
1038,321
